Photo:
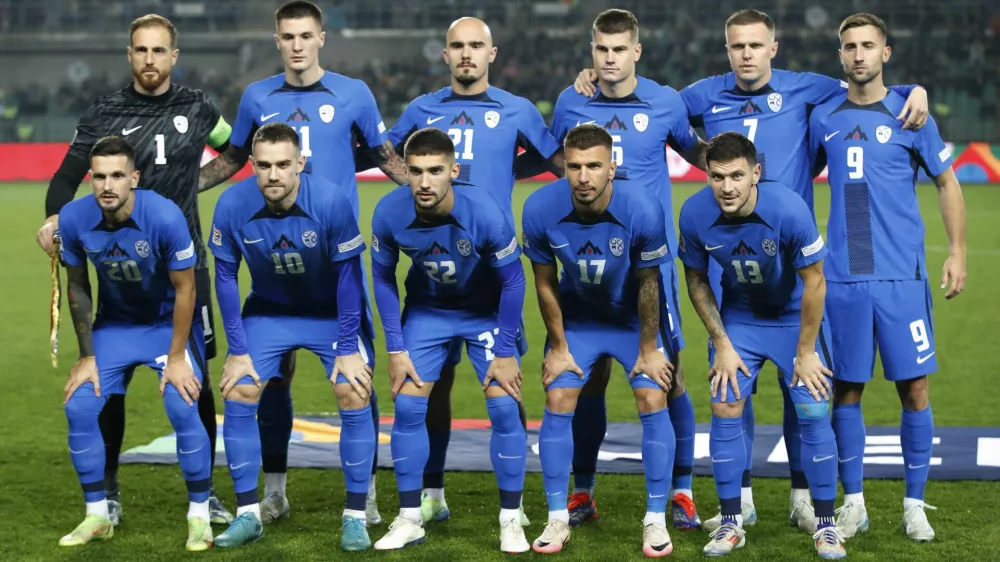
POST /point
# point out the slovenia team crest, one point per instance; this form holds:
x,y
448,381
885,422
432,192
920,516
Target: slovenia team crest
x,y
774,101
142,248
769,246
309,238
181,124
326,113
883,134
617,246
641,121
465,246
492,119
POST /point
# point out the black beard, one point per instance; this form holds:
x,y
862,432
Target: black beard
x,y
467,79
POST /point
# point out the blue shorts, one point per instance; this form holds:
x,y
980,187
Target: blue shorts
x,y
777,344
119,348
270,337
455,349
431,335
670,314
589,342
894,317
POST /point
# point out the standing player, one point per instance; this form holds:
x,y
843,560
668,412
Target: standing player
x,y
879,292
771,108
611,244
169,125
465,284
771,255
139,245
303,249
642,118
487,125
331,114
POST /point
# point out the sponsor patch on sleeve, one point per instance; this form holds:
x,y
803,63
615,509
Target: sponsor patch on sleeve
x,y
657,253
350,244
381,127
186,253
216,236
508,250
814,247
944,154
375,245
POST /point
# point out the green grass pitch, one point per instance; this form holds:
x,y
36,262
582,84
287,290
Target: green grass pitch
x,y
40,497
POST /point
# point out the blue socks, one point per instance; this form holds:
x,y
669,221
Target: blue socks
x,y
242,439
916,433
658,447
508,449
793,438
849,428
819,453
357,447
749,427
194,452
86,446
682,420
555,447
373,404
728,460
410,448
275,425
589,429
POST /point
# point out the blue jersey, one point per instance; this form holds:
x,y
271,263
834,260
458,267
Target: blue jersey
x,y
760,254
641,124
291,256
133,259
875,230
487,130
598,256
331,116
452,258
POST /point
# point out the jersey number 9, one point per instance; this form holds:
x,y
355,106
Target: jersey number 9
x,y
856,162
290,263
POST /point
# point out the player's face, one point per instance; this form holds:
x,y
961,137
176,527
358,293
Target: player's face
x,y
277,165
733,183
430,178
589,172
299,41
750,51
469,51
615,55
151,56
863,52
113,179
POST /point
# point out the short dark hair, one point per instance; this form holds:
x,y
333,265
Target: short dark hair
x,y
113,146
298,9
863,19
429,142
275,133
750,17
617,21
726,147
153,20
587,136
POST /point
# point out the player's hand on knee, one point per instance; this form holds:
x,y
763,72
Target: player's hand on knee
x,y
83,371
179,373
507,373
918,109
725,372
656,366
557,362
46,233
357,372
809,370
954,271
235,368
400,369
584,84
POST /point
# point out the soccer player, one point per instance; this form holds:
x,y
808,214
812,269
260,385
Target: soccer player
x,y
771,108
303,248
465,283
139,245
169,125
487,125
879,294
611,244
642,118
771,255
331,114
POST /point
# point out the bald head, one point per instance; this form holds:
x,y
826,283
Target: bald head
x,y
469,51
471,27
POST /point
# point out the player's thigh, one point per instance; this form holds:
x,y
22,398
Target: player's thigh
x,y
904,328
670,312
587,347
480,337
116,356
851,315
623,346
782,349
203,290
752,351
155,347
269,338
321,336
428,335
454,353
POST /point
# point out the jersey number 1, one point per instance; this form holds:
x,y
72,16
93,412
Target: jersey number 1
x,y
161,149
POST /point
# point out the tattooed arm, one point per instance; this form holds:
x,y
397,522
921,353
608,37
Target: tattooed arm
x,y
391,163
81,307
221,168
703,299
649,308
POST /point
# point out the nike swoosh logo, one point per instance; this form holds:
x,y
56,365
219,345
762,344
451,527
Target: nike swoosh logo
x,y
849,459
501,455
91,251
266,117
651,496
922,360
404,248
553,494
830,136
432,120
821,459
717,109
722,460
578,123
911,467
710,248
127,132
560,246
349,463
400,460
79,452
183,452
245,241
237,467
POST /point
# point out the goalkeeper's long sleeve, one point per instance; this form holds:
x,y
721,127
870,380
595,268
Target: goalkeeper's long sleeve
x,y
227,291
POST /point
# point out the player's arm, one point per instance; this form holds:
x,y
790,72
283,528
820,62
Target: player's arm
x,y
547,290
542,152
649,308
227,293
952,204
813,299
184,298
703,300
505,259
820,89
222,167
81,307
390,162
683,138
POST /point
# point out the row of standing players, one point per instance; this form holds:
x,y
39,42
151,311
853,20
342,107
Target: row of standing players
x,y
490,114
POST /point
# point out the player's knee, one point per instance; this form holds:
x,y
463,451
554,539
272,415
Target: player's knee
x,y
504,414
649,400
847,392
286,368
411,411
245,391
347,398
727,409
812,411
179,413
562,400
914,394
83,406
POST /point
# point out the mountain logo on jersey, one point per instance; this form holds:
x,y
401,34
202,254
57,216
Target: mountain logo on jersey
x,y
749,107
142,248
464,247
116,251
181,124
464,119
435,250
589,249
492,119
284,243
774,101
309,238
883,134
743,249
617,246
769,246
857,134
326,112
298,115
641,121
615,124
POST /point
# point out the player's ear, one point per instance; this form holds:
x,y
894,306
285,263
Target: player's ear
x,y
173,56
301,163
277,41
493,54
774,49
611,170
134,180
756,173
455,169
322,39
638,50
886,53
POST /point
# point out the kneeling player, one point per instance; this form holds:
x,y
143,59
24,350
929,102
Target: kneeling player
x,y
303,249
466,283
611,243
772,309
139,244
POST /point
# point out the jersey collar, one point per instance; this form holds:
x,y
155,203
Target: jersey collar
x,y
450,95
161,99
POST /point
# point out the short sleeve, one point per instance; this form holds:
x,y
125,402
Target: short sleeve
x,y
816,134
799,234
404,127
71,251
559,123
533,134
497,237
89,130
343,236
694,99
817,89
689,247
536,241
223,242
246,120
175,241
649,237
682,136
935,156
384,249
369,120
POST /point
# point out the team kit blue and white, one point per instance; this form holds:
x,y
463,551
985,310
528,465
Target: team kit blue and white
x,y
598,296
133,326
878,291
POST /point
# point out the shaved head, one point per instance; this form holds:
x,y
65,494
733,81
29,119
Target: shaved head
x,y
475,26
469,51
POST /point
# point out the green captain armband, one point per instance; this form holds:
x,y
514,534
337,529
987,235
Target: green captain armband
x,y
220,134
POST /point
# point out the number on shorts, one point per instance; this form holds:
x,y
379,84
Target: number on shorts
x,y
919,332
446,269
488,338
162,360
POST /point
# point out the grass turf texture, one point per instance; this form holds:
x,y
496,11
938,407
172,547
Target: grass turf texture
x,y
40,498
